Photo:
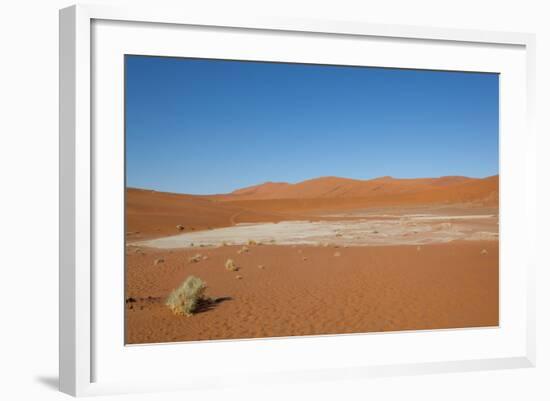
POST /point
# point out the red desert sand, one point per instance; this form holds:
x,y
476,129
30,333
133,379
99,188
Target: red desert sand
x,y
325,256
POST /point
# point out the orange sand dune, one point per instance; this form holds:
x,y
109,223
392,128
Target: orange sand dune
x,y
448,189
155,214
329,194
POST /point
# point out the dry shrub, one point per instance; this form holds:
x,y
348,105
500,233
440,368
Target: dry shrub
x,y
251,242
195,259
243,249
185,299
231,266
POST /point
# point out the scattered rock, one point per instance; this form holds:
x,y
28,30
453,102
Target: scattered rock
x,y
179,227
130,300
336,253
251,242
238,277
158,261
484,252
261,267
418,248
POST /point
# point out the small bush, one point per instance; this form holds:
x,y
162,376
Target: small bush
x,y
251,242
185,299
244,249
195,259
231,266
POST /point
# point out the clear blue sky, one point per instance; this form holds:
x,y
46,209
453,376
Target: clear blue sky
x,y
211,126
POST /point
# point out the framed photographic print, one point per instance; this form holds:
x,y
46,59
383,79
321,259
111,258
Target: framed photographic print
x,y
307,199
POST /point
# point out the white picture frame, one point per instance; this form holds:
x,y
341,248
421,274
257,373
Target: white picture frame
x,y
79,344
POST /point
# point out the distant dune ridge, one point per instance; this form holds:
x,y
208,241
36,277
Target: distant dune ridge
x,y
152,214
449,188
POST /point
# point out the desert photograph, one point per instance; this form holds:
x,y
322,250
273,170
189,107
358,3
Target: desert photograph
x,y
276,200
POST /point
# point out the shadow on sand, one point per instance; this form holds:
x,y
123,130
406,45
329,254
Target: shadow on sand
x,y
206,305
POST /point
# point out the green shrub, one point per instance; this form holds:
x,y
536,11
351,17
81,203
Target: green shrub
x,y
185,299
